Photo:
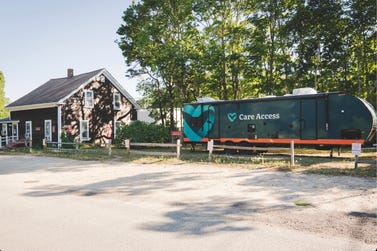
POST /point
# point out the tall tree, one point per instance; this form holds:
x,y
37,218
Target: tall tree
x,y
236,49
3,100
317,29
225,30
268,45
155,39
362,49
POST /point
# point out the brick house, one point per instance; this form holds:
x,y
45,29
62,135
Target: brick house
x,y
85,107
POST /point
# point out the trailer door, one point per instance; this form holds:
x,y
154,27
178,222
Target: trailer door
x,y
308,125
213,121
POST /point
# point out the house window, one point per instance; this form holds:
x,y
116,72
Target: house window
x,y
84,130
28,131
89,100
48,132
116,101
117,125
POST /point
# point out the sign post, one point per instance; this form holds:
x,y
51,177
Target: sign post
x,y
210,149
127,145
356,151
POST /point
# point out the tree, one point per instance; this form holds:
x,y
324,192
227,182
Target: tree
x,y
248,48
269,46
3,101
224,30
362,47
156,39
317,31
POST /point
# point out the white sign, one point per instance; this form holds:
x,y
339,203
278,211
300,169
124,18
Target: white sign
x,y
127,143
210,145
356,149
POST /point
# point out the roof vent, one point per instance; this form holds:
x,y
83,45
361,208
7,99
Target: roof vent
x,y
69,73
205,99
304,91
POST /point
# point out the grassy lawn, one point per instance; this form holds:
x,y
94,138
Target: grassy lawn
x,y
308,161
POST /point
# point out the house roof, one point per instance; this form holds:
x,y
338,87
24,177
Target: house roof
x,y
55,91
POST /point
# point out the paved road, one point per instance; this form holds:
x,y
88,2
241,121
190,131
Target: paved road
x,y
59,204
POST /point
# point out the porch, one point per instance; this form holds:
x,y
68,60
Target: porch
x,y
8,132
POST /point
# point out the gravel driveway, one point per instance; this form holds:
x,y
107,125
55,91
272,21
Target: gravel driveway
x,y
60,204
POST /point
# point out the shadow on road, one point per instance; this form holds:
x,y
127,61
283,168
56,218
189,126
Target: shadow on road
x,y
140,184
201,218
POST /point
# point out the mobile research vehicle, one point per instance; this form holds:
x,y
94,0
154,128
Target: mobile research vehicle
x,y
321,120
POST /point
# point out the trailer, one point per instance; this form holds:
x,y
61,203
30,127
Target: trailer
x,y
322,120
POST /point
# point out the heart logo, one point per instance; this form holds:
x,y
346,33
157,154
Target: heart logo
x,y
232,116
202,117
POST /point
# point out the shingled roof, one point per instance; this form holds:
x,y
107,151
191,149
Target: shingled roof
x,y
57,90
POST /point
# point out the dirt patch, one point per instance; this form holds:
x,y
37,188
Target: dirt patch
x,y
324,223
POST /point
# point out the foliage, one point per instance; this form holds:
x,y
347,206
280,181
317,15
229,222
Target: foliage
x,y
67,138
157,38
186,49
139,131
3,101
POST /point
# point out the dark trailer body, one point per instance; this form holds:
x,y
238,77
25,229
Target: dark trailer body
x,y
323,119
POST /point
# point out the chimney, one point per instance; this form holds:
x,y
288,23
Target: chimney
x,y
69,73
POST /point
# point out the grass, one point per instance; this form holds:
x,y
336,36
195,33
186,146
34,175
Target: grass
x,y
362,171
307,161
301,203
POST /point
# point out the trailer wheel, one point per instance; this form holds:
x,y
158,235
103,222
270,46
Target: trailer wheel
x,y
245,152
261,151
230,151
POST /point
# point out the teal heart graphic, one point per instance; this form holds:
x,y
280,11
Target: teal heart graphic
x,y
232,116
196,112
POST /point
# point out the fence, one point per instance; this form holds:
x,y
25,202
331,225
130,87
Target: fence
x,y
4,141
178,146
291,149
72,146
75,146
356,151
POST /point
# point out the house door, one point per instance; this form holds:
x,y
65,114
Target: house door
x,y
48,132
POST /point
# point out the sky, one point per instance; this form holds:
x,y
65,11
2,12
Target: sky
x,y
40,40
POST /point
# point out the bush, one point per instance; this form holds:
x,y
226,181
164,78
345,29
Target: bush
x,y
138,131
67,138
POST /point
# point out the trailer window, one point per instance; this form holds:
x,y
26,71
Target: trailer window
x,y
251,128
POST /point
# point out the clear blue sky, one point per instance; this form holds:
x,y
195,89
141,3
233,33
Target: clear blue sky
x,y
40,39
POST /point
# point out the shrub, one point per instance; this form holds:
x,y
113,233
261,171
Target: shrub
x,y
138,131
67,138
